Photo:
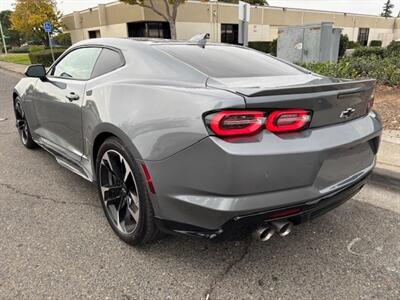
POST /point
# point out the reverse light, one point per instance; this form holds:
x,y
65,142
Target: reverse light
x,y
287,120
234,123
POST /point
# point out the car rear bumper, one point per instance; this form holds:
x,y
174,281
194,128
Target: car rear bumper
x,y
242,225
215,181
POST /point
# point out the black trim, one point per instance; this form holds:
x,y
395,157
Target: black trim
x,y
243,225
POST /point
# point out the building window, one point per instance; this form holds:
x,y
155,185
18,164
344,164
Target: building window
x,y
363,34
229,33
93,34
149,29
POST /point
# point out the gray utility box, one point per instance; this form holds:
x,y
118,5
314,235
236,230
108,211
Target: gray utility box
x,y
309,43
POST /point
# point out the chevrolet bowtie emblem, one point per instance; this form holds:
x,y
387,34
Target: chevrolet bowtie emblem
x,y
347,113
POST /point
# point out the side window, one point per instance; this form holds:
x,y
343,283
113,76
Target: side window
x,y
108,61
78,64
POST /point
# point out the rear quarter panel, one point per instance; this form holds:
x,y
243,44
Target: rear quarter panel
x,y
158,118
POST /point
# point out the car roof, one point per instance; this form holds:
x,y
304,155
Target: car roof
x,y
130,42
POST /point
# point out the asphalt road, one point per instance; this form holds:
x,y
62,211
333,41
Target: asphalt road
x,y
56,243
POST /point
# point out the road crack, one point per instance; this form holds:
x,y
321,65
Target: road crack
x,y
220,277
39,197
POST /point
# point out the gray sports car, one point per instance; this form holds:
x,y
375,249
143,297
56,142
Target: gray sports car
x,y
201,139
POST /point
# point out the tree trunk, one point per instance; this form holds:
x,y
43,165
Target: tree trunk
x,y
172,28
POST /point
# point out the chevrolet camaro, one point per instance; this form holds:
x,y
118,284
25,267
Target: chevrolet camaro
x,y
202,139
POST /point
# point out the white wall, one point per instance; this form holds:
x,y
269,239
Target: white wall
x,y
116,30
384,35
186,30
259,32
352,33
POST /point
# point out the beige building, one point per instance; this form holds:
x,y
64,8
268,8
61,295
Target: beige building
x,y
117,19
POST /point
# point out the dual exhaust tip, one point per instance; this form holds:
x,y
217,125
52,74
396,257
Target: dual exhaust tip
x,y
264,233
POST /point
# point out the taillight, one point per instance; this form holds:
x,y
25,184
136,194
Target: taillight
x,y
244,123
234,123
287,120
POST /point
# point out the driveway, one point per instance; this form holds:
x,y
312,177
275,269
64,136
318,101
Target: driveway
x,y
56,243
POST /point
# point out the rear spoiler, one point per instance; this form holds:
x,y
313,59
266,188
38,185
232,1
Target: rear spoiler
x,y
350,86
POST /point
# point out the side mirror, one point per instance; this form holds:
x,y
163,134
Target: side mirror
x,y
37,71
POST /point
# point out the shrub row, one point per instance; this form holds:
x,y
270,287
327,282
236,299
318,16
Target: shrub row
x,y
385,70
264,46
44,56
392,50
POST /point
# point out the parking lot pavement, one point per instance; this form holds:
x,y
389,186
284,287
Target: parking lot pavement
x,y
56,243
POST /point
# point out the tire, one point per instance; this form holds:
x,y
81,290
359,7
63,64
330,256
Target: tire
x,y
22,125
126,202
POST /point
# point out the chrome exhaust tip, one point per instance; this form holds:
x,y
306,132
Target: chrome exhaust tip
x,y
283,228
263,233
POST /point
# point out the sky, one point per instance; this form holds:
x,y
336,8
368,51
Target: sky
x,y
370,7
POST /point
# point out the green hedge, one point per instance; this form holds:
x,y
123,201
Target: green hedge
x,y
24,49
264,46
369,51
353,45
44,56
385,70
375,43
393,49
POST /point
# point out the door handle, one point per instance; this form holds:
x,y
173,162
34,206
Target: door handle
x,y
72,97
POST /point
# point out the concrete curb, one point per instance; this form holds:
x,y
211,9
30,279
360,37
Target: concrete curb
x,y
385,177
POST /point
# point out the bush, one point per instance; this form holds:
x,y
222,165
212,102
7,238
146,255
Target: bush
x,y
24,49
353,45
375,43
369,51
343,44
44,56
261,46
63,39
267,47
393,49
385,70
36,48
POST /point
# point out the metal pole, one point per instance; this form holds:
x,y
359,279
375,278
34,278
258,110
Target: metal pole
x,y
51,45
3,38
245,29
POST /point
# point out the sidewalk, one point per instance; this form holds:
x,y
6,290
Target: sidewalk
x,y
12,67
387,169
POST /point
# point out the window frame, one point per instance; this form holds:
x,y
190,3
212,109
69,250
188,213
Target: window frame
x,y
58,60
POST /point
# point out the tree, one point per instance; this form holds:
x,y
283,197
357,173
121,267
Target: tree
x,y
387,9
168,13
12,36
30,15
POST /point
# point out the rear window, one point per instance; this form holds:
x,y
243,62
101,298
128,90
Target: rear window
x,y
227,61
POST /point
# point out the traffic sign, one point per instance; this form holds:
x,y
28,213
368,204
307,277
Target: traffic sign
x,y
47,27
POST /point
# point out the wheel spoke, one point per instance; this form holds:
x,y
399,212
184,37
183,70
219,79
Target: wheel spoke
x,y
135,199
126,170
119,191
134,213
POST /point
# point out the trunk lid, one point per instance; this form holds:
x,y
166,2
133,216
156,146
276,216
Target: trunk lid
x,y
331,100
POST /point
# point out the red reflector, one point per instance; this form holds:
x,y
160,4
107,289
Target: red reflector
x,y
287,120
148,178
284,213
231,123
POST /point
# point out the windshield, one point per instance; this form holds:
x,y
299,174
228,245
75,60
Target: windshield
x,y
221,61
